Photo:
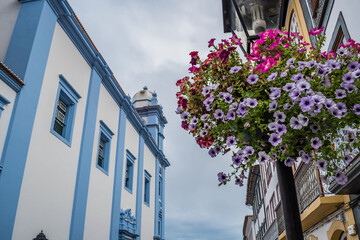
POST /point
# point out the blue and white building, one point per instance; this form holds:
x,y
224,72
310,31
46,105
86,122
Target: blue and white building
x,y
78,158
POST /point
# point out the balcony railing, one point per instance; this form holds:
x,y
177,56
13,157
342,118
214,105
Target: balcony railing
x,y
308,185
127,225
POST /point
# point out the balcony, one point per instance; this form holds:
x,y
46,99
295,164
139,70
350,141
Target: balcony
x,y
352,186
127,226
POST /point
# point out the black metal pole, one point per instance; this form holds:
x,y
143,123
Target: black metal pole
x,y
289,202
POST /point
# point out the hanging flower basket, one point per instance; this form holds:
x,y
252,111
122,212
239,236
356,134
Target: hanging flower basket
x,y
287,102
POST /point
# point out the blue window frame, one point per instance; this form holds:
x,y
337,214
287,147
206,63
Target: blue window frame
x,y
3,102
147,188
129,171
102,159
64,112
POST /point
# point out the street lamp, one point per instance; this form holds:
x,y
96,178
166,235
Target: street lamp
x,y
247,18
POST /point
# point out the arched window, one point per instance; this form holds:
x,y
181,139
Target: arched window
x,y
294,27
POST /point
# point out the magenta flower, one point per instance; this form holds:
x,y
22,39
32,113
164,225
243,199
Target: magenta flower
x,y
316,31
211,42
316,143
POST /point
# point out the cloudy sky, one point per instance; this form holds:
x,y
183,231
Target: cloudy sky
x,y
147,43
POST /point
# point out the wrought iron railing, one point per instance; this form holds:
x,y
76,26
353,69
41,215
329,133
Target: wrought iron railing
x,y
308,185
280,219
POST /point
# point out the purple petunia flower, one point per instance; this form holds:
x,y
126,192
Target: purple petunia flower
x,y
208,101
279,116
318,99
340,93
314,128
310,64
280,129
329,103
207,126
349,87
294,94
275,139
217,149
348,158
203,133
214,86
248,151
340,177
288,87
321,164
235,69
222,177
218,113
237,160
194,120
233,106
273,106
295,123
178,110
275,93
272,126
333,64
230,89
253,78
204,117
341,107
303,120
206,90
263,157
356,109
305,157
348,78
303,85
353,66
289,161
297,77
241,111
342,51
287,106
212,152
228,98
283,74
272,76
306,103
357,74
290,61
322,71
251,102
230,140
239,181
185,115
326,82
230,115
316,143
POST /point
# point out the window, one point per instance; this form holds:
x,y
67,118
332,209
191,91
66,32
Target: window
x,y
3,102
129,171
64,112
102,161
340,35
147,188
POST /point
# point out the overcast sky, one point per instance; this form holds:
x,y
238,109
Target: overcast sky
x,y
147,43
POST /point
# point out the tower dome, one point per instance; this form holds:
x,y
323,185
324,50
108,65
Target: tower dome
x,y
142,98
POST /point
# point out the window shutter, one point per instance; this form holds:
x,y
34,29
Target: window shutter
x,y
314,6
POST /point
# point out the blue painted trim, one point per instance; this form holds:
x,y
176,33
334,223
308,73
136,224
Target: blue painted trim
x,y
3,102
85,156
116,202
70,97
130,161
9,80
27,56
130,156
147,182
105,135
156,215
340,23
75,32
139,190
163,203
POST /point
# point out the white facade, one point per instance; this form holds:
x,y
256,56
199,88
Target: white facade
x,y
66,132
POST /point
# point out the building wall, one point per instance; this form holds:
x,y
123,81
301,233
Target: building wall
x,y
9,10
51,167
349,12
5,117
99,201
128,200
147,218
